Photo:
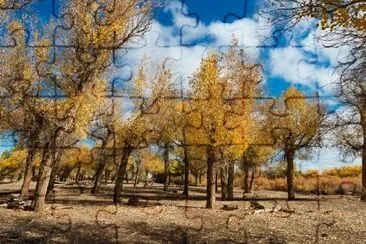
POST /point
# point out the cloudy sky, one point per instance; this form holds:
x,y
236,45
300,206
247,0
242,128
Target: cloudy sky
x,y
184,31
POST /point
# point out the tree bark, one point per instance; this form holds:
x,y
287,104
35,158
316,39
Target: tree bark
x,y
51,184
216,180
98,175
146,175
126,176
290,174
20,174
246,178
34,174
121,173
223,174
66,173
106,176
166,165
43,180
186,173
101,164
252,178
28,173
230,182
137,176
78,173
211,176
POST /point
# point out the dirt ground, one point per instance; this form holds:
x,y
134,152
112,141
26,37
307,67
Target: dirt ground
x,y
73,215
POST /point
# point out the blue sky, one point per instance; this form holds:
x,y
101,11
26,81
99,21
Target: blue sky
x,y
184,31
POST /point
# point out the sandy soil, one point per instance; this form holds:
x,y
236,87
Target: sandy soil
x,y
75,216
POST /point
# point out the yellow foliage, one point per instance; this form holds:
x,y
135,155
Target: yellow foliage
x,y
332,14
295,121
151,162
14,161
347,171
223,92
73,156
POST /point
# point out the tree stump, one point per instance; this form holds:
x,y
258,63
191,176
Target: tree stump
x,y
15,203
133,201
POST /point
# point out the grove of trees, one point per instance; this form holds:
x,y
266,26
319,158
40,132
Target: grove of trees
x,y
70,123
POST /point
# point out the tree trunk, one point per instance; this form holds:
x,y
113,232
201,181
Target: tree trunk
x,y
186,173
34,174
20,174
98,176
126,175
200,177
43,180
211,193
121,173
196,176
290,175
106,176
137,175
166,166
146,175
66,173
216,180
230,182
252,178
78,173
27,174
101,164
246,178
113,178
223,174
51,184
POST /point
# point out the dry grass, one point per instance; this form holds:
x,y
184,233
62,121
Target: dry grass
x,y
327,184
75,216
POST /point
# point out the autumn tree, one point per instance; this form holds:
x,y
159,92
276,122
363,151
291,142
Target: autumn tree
x,y
151,163
167,121
77,73
350,122
261,148
344,26
170,122
242,78
74,158
102,131
296,124
147,92
19,86
330,14
11,163
254,157
220,111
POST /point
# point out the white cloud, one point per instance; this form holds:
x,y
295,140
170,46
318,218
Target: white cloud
x,y
163,42
307,61
295,66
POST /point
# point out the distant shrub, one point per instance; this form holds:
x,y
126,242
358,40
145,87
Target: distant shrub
x,y
347,171
312,173
306,184
327,184
276,171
